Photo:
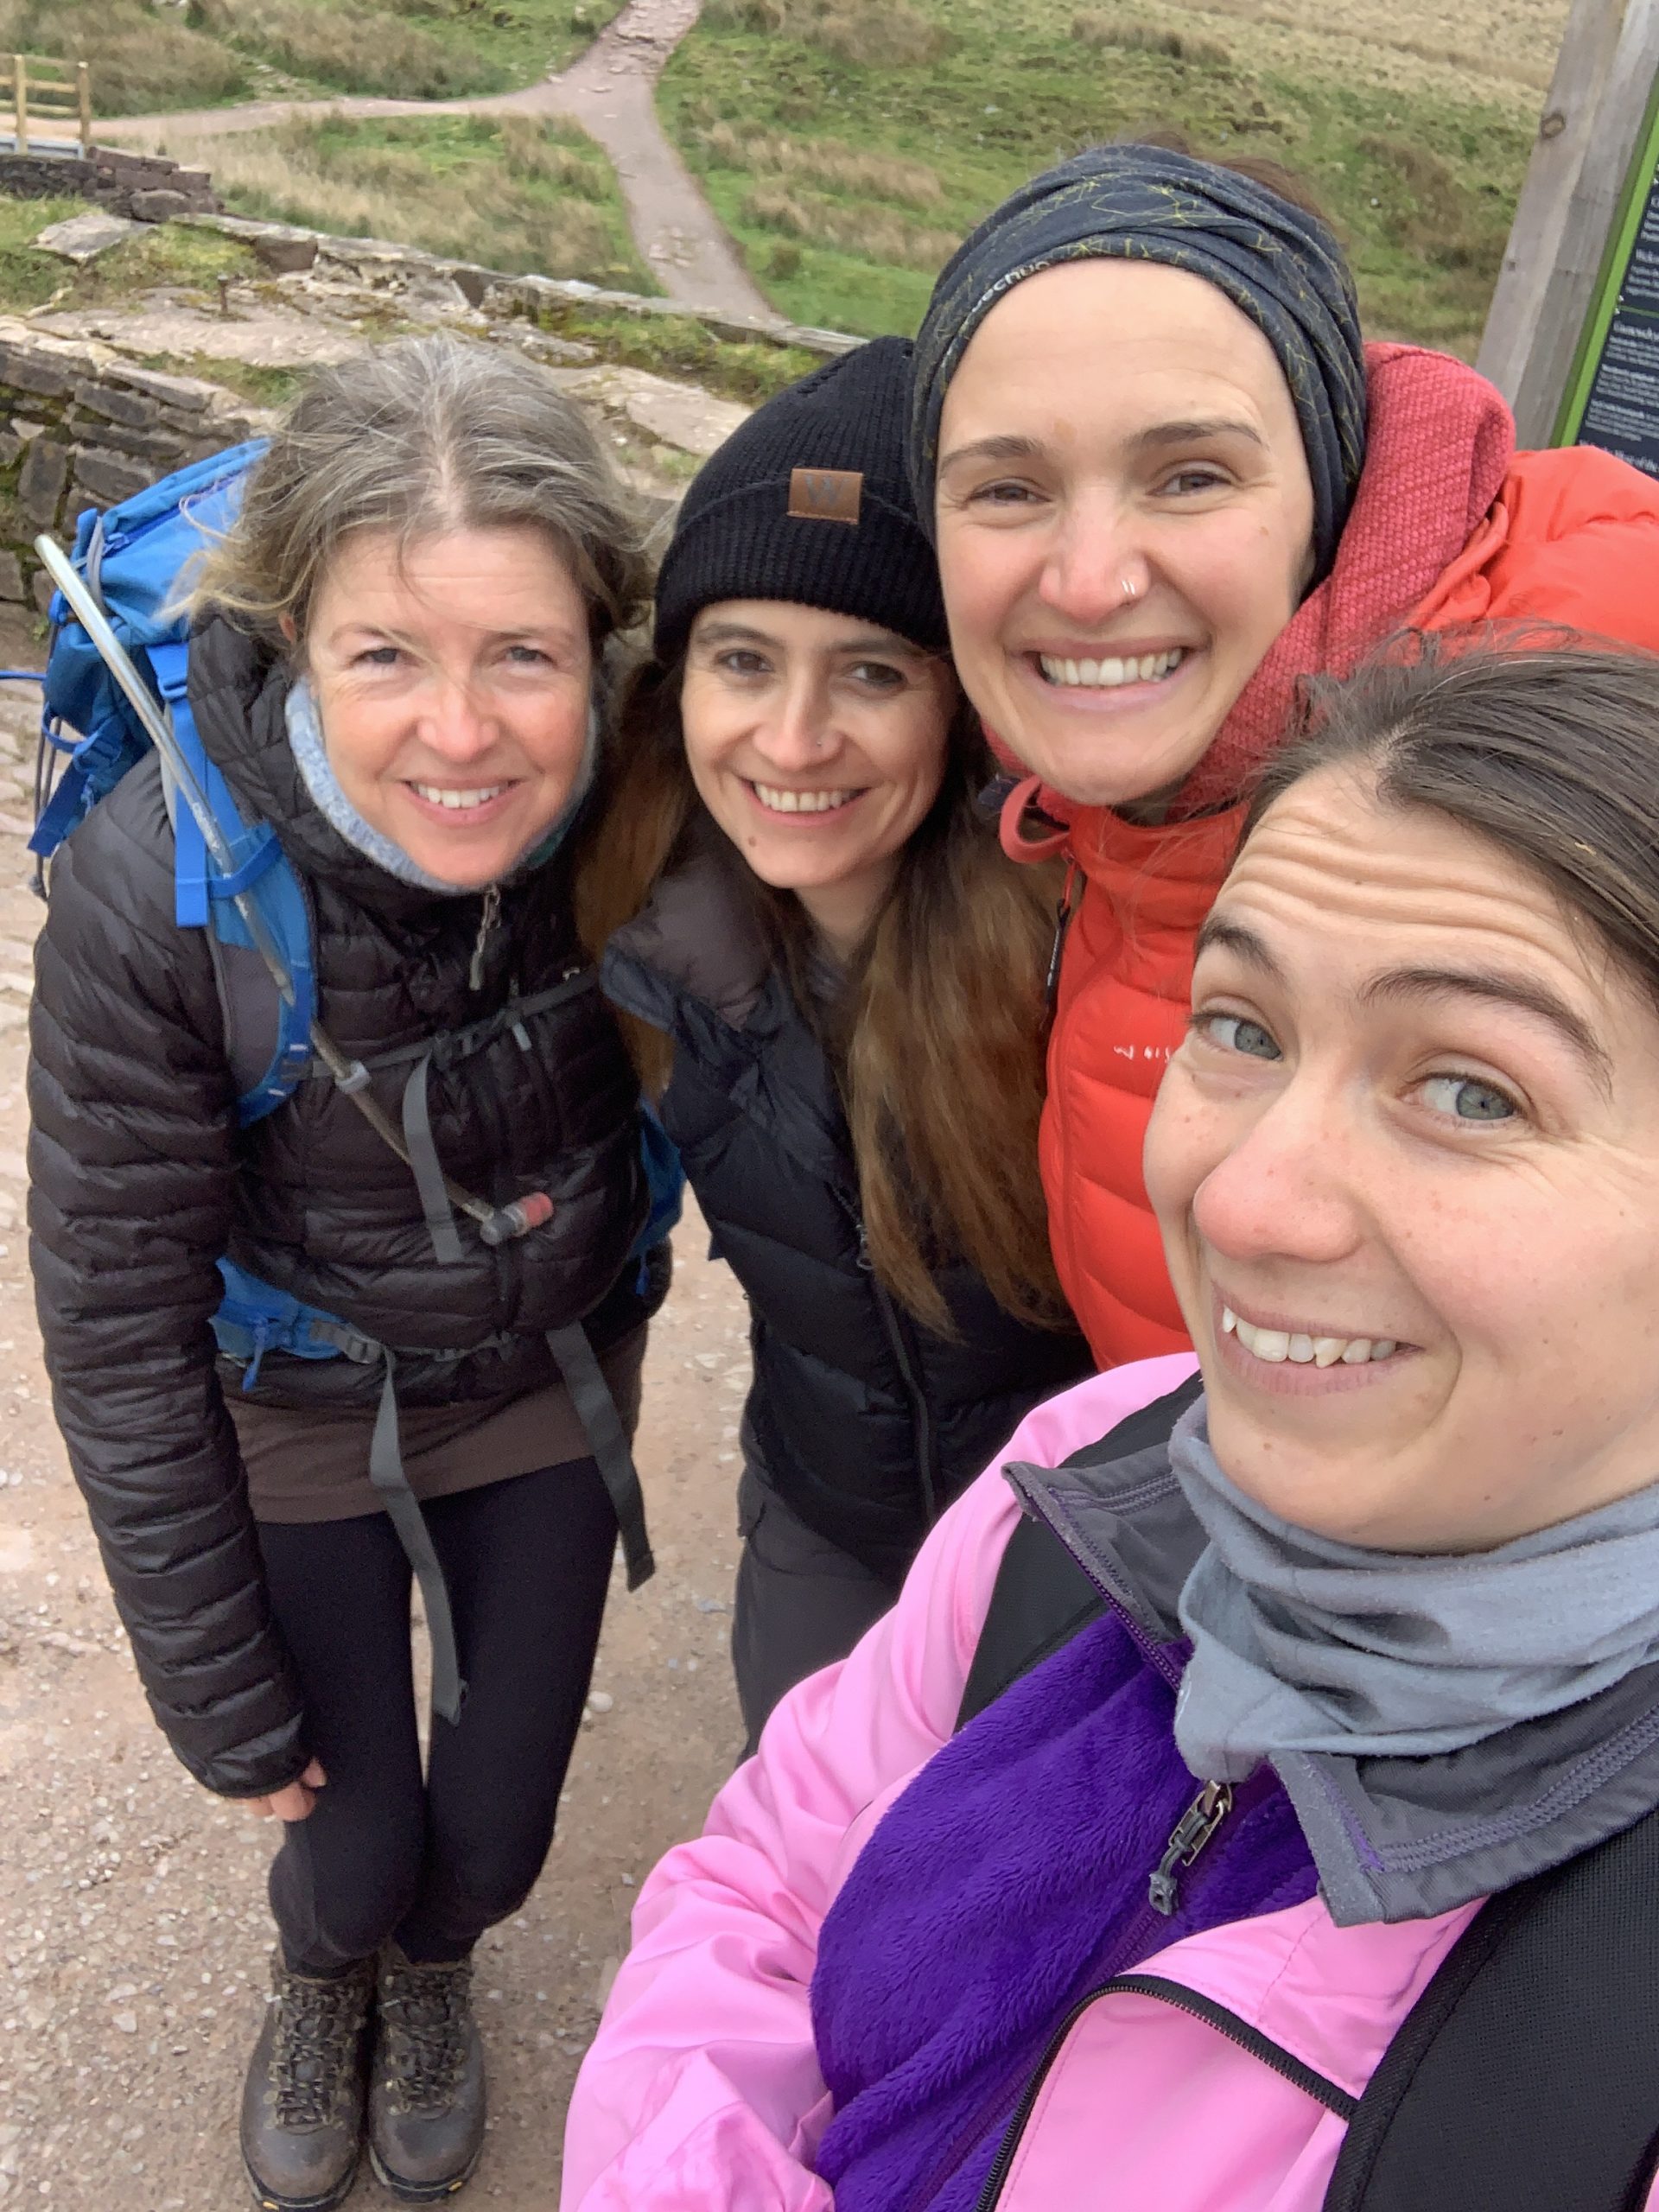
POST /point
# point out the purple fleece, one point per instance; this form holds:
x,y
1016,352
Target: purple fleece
x,y
1010,1878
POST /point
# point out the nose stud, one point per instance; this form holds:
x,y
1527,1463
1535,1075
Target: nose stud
x,y
1129,593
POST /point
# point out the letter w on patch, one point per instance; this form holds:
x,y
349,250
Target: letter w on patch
x,y
826,494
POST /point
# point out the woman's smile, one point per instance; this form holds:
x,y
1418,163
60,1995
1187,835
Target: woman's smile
x,y
1407,1150
466,807
452,680
1073,667
814,807
1118,555
1305,1357
817,743
1071,679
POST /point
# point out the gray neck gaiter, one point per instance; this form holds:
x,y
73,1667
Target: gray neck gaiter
x,y
1301,1644
310,753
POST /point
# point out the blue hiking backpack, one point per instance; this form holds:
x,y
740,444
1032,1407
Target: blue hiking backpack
x,y
116,689
131,559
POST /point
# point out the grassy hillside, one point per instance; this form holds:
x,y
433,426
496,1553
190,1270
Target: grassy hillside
x,y
848,143
147,59
512,191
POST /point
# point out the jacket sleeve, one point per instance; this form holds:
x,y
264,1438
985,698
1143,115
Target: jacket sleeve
x,y
131,1165
1585,531
701,2091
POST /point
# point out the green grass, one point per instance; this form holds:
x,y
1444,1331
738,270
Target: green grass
x,y
149,61
983,112
141,61
516,193
678,346
29,279
166,254
260,387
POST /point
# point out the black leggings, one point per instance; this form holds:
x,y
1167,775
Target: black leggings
x,y
435,1861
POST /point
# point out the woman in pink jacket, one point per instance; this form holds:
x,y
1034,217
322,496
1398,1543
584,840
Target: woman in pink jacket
x,y
1250,1804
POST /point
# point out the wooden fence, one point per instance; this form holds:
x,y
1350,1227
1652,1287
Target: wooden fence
x,y
48,105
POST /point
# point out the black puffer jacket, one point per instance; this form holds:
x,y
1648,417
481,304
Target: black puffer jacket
x,y
140,1180
868,1424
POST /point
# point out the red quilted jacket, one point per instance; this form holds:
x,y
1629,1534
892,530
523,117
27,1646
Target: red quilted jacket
x,y
1450,526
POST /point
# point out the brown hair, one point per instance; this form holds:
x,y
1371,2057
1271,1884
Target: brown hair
x,y
939,1037
424,435
1545,745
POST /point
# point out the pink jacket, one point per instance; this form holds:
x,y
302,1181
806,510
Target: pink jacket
x,y
701,2092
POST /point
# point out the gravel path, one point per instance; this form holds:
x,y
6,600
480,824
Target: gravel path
x,y
132,1921
609,92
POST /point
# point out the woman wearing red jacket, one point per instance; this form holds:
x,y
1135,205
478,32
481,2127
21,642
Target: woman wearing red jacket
x,y
1169,482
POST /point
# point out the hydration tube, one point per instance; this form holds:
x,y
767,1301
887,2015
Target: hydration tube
x,y
496,1224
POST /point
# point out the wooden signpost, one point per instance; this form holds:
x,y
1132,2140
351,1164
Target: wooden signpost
x,y
1564,341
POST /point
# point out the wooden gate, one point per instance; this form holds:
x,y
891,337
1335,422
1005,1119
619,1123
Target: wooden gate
x,y
48,105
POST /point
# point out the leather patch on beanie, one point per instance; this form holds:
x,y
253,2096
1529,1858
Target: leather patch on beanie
x,y
826,494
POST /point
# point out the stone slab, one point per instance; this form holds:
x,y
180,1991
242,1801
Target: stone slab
x,y
262,340
161,445
184,395
110,476
681,415
160,205
83,238
135,409
285,253
40,482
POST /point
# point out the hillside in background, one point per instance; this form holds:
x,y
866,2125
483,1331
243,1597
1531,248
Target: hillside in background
x,y
152,55
848,144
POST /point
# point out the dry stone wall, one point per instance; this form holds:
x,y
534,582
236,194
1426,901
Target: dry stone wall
x,y
290,250
80,426
147,187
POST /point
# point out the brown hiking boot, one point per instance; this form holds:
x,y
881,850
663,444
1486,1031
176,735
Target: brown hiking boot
x,y
426,2086
303,2103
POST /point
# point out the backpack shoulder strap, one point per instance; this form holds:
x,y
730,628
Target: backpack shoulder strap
x,y
267,1035
1042,1598
1526,2076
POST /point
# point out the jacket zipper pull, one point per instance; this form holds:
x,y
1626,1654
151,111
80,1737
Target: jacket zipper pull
x,y
1063,914
1192,1832
487,921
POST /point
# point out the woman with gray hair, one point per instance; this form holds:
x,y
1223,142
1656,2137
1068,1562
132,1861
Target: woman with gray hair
x,y
395,664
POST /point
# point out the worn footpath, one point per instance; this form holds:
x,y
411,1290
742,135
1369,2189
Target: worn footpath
x,y
133,1923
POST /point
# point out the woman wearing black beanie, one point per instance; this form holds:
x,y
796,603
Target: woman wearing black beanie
x,y
836,982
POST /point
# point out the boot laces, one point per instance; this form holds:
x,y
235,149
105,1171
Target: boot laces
x,y
318,2024
424,2014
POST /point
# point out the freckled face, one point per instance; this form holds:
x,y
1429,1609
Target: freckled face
x,y
1125,521
1406,1169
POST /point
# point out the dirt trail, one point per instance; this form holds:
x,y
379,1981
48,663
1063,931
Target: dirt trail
x,y
609,92
132,1921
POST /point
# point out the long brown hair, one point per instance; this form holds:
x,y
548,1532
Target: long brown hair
x,y
938,1039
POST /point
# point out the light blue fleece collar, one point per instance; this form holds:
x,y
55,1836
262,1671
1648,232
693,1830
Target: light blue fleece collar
x,y
310,753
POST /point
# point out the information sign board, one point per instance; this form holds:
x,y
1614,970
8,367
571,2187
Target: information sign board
x,y
1612,396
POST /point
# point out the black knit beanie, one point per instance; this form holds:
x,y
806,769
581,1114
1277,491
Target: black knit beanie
x,y
809,502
